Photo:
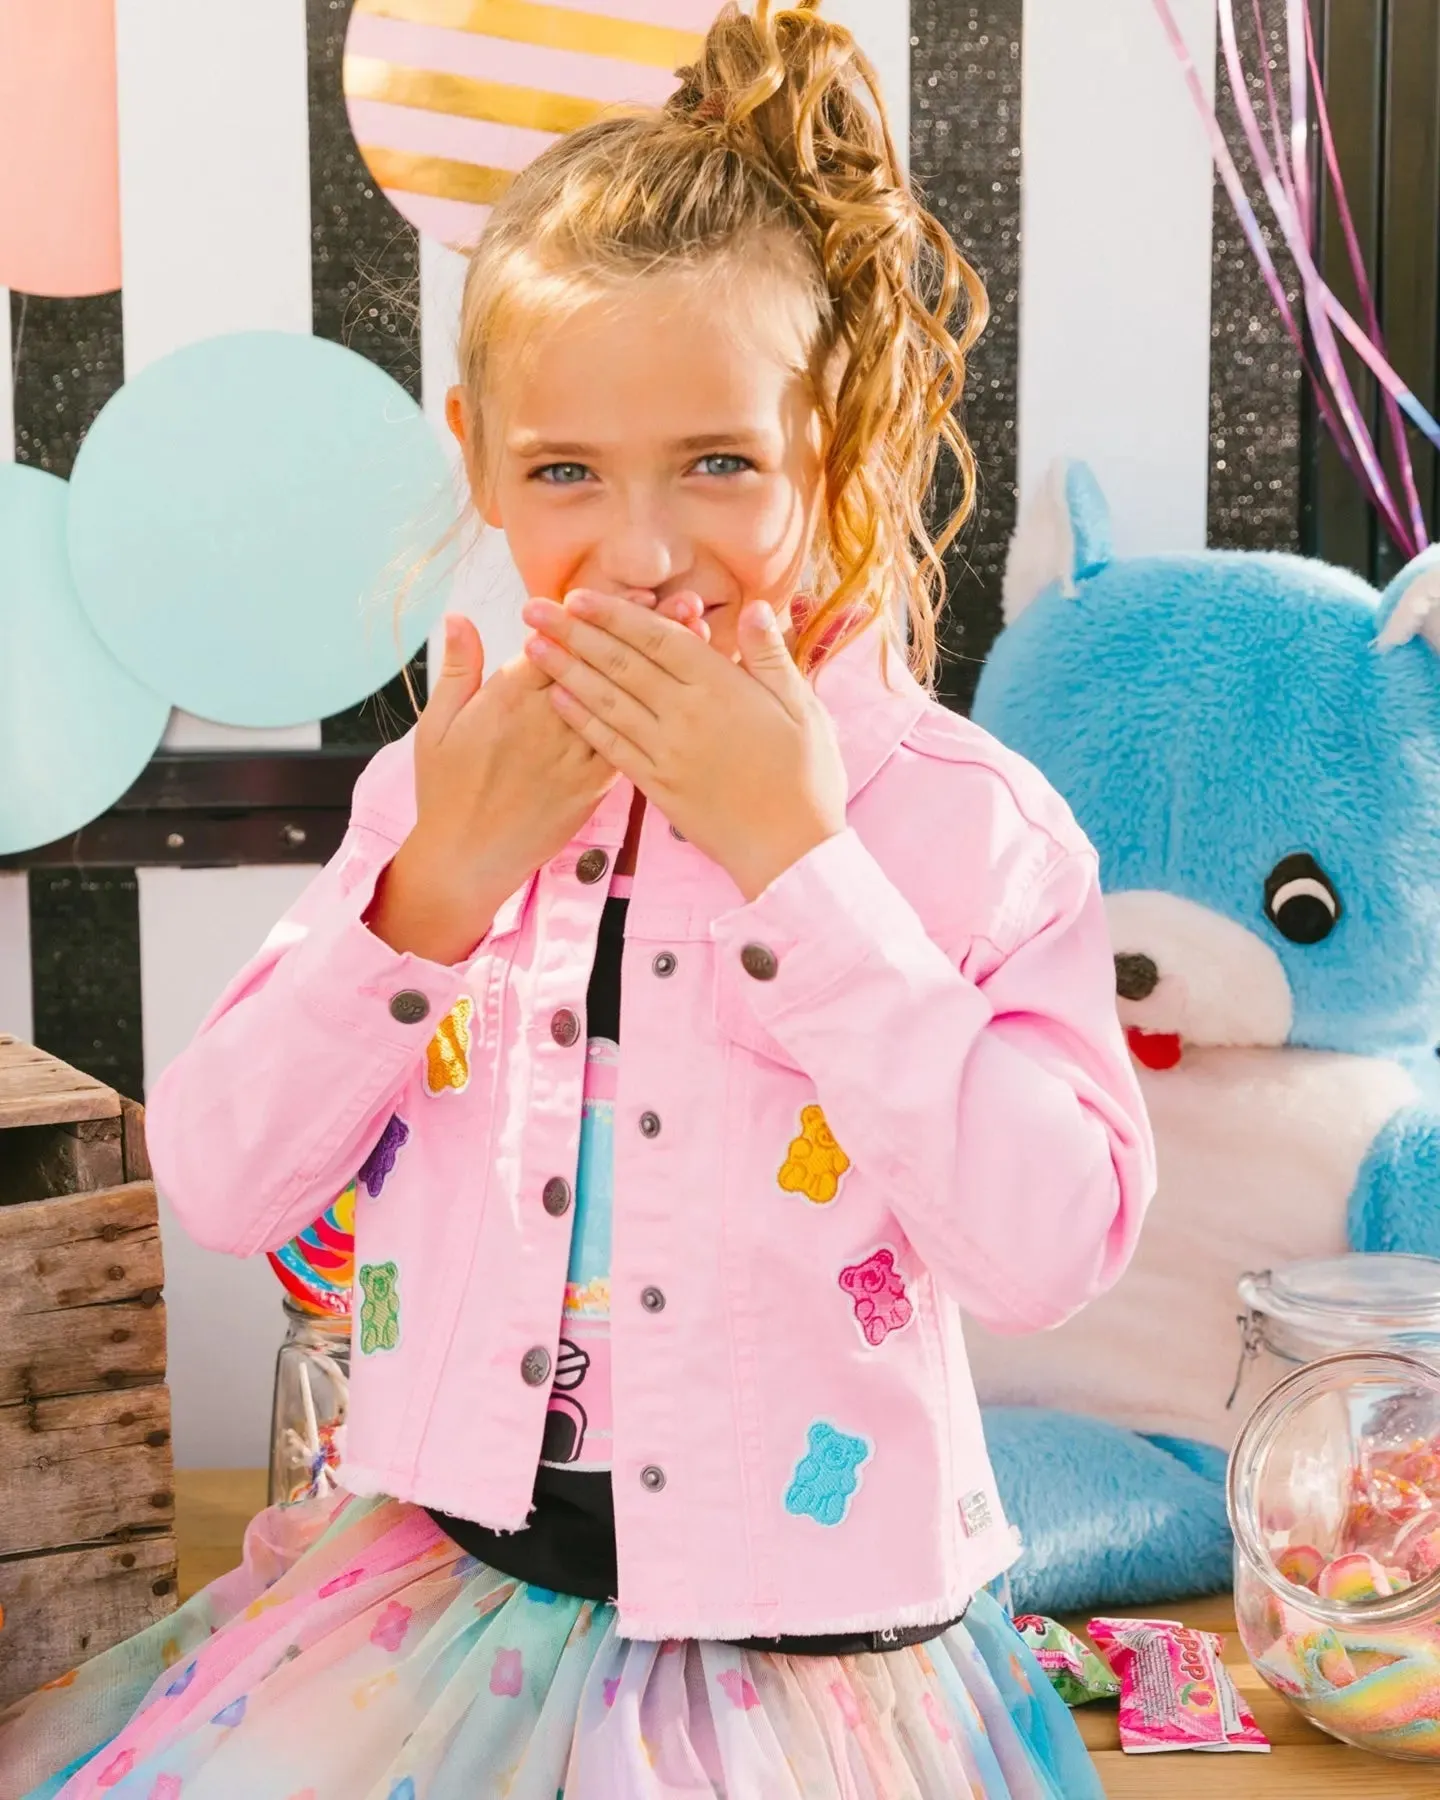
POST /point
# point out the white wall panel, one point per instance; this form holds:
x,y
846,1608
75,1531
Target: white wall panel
x,y
16,1016
1116,214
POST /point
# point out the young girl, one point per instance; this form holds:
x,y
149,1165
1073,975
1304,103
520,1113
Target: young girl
x,y
702,903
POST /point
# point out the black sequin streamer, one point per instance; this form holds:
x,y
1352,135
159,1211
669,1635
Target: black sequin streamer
x,y
68,359
1255,374
965,156
85,972
365,281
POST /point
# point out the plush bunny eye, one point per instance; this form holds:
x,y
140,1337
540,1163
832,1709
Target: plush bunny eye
x,y
1300,900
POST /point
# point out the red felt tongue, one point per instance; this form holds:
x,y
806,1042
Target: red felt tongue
x,y
1154,1049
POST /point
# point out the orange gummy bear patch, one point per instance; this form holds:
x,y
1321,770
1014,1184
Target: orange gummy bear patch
x,y
447,1056
814,1163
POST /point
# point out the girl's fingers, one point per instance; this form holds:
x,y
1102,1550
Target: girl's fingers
x,y
600,696
608,744
614,656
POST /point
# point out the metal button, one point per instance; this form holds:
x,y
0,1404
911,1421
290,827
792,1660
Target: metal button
x,y
652,1299
652,1477
557,1197
678,835
759,961
649,1124
565,1028
664,964
409,1006
535,1366
592,866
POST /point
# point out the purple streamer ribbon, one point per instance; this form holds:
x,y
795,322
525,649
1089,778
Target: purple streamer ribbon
x,y
1285,180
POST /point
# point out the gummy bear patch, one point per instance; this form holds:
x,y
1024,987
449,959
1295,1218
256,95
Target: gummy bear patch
x,y
878,1290
380,1308
378,1165
814,1163
827,1476
447,1055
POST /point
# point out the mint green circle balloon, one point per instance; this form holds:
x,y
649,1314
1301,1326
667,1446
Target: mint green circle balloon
x,y
75,728
244,514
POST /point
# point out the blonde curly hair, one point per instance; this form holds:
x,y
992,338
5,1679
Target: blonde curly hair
x,y
775,139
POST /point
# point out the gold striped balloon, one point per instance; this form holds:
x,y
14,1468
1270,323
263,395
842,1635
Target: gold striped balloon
x,y
448,99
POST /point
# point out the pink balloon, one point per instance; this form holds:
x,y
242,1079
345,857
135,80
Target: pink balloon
x,y
59,155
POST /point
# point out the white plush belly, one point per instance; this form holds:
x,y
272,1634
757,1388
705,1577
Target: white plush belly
x,y
1258,1155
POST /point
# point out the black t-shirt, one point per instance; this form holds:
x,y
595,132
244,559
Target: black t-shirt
x,y
568,1543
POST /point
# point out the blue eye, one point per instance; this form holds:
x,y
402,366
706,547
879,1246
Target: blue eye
x,y
562,474
728,464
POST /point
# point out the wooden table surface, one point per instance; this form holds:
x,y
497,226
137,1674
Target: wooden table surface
x,y
212,1507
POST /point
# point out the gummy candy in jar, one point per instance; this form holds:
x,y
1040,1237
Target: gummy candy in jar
x,y
1334,1493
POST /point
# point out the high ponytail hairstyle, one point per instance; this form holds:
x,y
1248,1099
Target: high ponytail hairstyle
x,y
775,145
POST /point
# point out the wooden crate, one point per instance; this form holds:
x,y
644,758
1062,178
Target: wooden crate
x,y
87,1544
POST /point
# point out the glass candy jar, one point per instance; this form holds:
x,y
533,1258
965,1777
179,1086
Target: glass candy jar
x,y
1306,1310
312,1381
1334,1494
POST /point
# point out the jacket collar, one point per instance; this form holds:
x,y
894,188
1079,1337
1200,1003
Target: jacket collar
x,y
874,700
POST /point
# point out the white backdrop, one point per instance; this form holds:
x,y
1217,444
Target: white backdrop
x,y
1114,365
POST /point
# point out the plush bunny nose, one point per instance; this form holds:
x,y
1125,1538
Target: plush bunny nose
x,y
1136,977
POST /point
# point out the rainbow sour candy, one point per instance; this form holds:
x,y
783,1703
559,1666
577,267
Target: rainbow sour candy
x,y
1175,1693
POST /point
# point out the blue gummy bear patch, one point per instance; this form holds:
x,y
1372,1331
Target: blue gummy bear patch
x,y
404,1789
827,1475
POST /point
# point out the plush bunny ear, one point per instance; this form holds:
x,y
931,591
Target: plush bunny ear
x,y
1410,606
1063,536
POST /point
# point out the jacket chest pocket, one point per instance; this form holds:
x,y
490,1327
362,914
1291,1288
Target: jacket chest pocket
x,y
739,1028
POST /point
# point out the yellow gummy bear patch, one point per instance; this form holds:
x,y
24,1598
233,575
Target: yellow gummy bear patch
x,y
447,1055
814,1163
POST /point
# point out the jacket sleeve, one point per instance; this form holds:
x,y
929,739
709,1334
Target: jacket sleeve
x,y
1002,1113
257,1125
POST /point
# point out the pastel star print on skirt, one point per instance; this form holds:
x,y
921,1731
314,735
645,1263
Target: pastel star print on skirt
x,y
357,1654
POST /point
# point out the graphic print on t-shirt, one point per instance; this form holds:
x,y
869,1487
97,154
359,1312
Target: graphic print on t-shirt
x,y
578,1425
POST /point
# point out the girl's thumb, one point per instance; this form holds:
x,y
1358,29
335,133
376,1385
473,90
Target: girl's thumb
x,y
763,649
461,671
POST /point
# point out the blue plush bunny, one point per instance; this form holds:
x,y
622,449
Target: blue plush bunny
x,y
1252,742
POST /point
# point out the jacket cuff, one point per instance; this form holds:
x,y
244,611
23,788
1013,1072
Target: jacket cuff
x,y
342,971
816,926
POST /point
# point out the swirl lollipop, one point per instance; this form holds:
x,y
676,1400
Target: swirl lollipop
x,y
317,1267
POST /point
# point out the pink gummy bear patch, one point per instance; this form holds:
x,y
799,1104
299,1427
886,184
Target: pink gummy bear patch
x,y
878,1290
389,1629
507,1676
167,1787
740,1691
116,1769
341,1582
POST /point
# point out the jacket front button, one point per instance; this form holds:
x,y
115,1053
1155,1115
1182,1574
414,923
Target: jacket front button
x,y
652,1478
652,1299
664,964
592,866
409,1006
649,1124
760,961
535,1367
565,1028
557,1197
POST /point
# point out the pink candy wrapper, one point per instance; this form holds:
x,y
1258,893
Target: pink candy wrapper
x,y
1175,1693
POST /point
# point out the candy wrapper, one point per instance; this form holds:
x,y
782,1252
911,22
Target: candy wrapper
x,y
1175,1693
1076,1673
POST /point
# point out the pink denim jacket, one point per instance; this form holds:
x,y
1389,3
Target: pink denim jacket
x,y
892,1088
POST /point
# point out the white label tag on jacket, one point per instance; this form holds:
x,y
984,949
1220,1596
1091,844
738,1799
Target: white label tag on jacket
x,y
975,1514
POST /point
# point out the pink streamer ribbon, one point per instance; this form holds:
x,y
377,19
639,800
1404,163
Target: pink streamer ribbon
x,y
1285,180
